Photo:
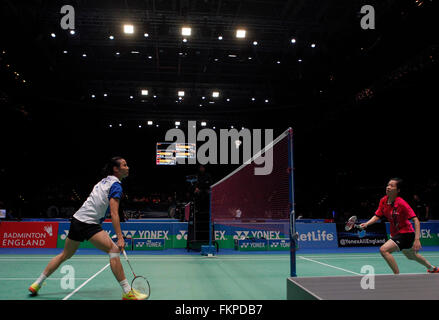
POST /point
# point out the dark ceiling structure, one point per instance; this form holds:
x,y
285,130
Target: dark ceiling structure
x,y
299,57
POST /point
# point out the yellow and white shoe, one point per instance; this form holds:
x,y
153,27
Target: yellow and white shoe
x,y
33,289
134,295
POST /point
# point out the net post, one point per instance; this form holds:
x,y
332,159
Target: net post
x,y
292,205
209,250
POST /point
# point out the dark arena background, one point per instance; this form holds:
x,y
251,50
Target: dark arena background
x,y
359,94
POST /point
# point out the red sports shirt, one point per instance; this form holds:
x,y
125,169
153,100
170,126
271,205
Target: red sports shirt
x,y
398,214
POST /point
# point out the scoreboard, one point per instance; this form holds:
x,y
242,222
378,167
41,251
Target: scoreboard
x,y
168,152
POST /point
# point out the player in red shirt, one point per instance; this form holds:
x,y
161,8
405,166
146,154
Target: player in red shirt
x,y
403,237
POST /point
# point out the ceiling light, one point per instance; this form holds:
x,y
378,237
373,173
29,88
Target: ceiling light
x,y
184,40
255,43
128,29
215,94
177,123
150,123
146,35
144,92
203,123
72,32
181,93
53,35
293,40
111,37
220,38
240,33
313,45
186,31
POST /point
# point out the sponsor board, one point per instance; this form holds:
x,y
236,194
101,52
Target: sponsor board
x,y
173,234
374,235
251,245
310,235
28,234
316,235
279,245
227,235
148,244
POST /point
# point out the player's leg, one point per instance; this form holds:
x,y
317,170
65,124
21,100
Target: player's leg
x,y
386,251
69,250
102,241
415,256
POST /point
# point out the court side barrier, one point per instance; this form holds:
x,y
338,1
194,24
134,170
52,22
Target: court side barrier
x,y
243,236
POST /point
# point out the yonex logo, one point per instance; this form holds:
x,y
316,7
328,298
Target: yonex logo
x,y
182,235
64,236
241,235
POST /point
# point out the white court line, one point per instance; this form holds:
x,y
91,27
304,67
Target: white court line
x,y
77,289
328,265
30,279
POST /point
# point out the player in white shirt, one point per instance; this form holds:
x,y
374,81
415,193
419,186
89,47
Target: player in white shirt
x,y
86,225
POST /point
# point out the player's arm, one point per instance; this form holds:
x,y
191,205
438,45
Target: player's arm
x,y
417,243
372,220
114,211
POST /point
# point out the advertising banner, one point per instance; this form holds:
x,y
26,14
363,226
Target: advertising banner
x,y
311,235
316,235
225,235
173,234
28,234
149,244
375,235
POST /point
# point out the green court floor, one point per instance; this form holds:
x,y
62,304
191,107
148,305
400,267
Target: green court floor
x,y
187,277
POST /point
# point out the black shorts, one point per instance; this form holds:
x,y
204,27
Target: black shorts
x,y
404,240
80,231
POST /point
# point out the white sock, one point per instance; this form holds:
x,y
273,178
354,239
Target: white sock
x,y
125,286
41,279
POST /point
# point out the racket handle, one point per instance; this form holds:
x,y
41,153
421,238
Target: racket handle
x,y
124,254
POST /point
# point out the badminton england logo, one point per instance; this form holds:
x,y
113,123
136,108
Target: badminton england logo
x,y
48,229
244,140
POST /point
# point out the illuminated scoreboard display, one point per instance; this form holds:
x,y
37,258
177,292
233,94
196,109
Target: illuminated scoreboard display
x,y
168,152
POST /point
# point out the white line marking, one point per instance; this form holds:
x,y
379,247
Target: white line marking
x,y
328,265
30,279
77,289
